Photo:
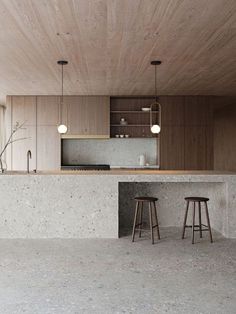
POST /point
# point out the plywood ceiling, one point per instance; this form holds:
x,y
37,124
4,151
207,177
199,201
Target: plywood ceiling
x,y
109,45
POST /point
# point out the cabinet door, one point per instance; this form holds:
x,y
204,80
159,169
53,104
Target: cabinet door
x,y
98,119
21,147
48,148
48,110
172,148
24,110
75,115
87,116
195,148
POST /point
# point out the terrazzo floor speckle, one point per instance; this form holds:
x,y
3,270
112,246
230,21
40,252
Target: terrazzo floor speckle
x,y
118,276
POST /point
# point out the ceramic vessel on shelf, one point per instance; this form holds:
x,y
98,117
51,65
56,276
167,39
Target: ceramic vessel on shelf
x,y
123,121
142,160
121,135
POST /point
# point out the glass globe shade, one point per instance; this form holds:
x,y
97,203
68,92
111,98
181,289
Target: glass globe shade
x,y
62,129
155,129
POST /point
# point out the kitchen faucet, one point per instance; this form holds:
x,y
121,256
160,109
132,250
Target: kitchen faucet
x,y
29,156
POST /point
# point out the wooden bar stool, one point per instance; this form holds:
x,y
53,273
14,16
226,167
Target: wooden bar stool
x,y
199,201
138,217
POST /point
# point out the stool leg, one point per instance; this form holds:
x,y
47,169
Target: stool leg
x,y
135,220
155,213
193,222
185,219
200,218
140,219
208,222
151,224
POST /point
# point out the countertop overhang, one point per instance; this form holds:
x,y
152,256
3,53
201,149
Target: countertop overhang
x,y
121,172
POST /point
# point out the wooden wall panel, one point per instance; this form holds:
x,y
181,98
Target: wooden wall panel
x,y
20,149
172,148
194,143
24,110
172,110
48,110
195,148
48,148
225,138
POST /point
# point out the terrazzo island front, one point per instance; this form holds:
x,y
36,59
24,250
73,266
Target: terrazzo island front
x,y
95,204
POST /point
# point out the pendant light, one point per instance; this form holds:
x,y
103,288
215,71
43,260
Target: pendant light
x,y
62,128
155,128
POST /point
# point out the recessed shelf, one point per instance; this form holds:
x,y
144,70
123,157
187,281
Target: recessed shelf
x,y
130,125
134,137
132,111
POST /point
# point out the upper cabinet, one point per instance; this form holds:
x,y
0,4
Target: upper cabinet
x,y
23,110
86,116
48,110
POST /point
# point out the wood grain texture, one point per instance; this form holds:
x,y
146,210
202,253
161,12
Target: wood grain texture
x,y
172,148
24,110
20,149
130,108
109,46
48,148
87,115
187,132
225,138
48,110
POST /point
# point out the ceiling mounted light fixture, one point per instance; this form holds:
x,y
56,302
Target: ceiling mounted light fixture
x,y
155,128
62,128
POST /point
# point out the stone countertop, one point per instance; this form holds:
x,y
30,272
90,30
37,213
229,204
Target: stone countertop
x,y
78,204
122,172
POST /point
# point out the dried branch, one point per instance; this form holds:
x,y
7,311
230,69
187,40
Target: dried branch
x,y
10,140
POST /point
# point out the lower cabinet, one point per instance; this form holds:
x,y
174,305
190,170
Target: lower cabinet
x,y
48,148
19,149
39,134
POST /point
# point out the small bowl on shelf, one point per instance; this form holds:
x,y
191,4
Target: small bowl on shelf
x,y
146,109
122,136
127,135
117,135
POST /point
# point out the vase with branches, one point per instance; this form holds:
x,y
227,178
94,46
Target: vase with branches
x,y
11,140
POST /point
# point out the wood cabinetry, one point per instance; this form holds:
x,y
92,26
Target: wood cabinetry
x,y
48,138
21,109
48,112
41,117
138,121
187,133
48,148
172,148
87,116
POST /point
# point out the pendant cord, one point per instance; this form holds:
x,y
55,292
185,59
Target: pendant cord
x,y
62,78
155,83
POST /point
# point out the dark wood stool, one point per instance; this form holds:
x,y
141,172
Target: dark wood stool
x,y
198,200
138,217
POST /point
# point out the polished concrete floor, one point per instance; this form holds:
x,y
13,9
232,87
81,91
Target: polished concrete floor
x,y
117,276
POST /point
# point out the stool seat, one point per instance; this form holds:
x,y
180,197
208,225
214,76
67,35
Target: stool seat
x,y
197,199
146,199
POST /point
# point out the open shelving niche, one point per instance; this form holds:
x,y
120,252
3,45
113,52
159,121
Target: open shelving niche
x,y
138,121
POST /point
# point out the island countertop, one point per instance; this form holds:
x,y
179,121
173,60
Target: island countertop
x,y
123,171
83,204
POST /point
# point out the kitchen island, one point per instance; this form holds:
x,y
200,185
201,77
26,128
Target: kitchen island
x,y
94,204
